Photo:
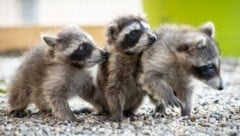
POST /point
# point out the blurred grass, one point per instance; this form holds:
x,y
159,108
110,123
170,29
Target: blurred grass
x,y
2,86
2,91
225,15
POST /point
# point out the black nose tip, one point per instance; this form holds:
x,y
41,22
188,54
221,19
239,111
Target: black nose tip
x,y
220,87
105,54
152,38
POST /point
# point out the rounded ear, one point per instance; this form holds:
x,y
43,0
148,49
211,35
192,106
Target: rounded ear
x,y
50,40
192,43
112,32
208,28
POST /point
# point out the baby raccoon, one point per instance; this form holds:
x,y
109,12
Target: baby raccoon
x,y
127,38
55,71
180,53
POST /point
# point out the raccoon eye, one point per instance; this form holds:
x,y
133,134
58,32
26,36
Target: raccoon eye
x,y
83,46
207,71
210,66
83,51
134,34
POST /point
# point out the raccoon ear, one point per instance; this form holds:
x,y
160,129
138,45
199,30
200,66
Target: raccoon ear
x,y
197,42
208,28
201,42
50,40
112,31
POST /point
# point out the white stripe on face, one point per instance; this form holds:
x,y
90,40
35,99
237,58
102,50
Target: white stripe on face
x,y
69,50
75,44
128,29
145,25
89,37
216,61
195,39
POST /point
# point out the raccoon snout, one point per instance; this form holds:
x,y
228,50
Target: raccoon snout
x,y
220,87
152,38
104,54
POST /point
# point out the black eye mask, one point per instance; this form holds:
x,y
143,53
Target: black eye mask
x,y
131,39
82,52
205,72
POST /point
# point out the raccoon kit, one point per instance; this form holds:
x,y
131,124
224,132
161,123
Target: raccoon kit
x,y
55,71
180,53
127,38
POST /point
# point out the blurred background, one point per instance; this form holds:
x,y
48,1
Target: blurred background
x,y
224,13
21,21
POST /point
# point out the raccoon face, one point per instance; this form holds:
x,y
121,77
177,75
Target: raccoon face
x,y
74,46
209,74
130,34
202,54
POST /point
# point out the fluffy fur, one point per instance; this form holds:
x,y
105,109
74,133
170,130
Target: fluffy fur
x,y
180,53
53,72
127,38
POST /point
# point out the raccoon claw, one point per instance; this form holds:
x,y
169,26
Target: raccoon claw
x,y
172,100
18,113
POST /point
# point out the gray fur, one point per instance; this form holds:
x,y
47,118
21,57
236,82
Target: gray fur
x,y
48,76
168,65
117,77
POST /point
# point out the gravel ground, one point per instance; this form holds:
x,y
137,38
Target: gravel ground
x,y
215,113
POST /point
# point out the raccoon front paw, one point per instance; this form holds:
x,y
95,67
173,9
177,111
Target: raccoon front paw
x,y
84,110
68,117
116,117
128,114
45,111
186,111
171,99
18,113
102,113
161,109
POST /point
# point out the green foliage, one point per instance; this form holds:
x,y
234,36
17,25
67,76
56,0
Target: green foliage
x,y
224,14
2,91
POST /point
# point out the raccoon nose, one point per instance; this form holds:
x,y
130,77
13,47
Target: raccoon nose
x,y
220,87
104,54
152,38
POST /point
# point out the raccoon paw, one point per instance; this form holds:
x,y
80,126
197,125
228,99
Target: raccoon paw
x,y
18,113
128,114
84,110
102,113
69,118
186,111
171,99
45,111
116,118
161,109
